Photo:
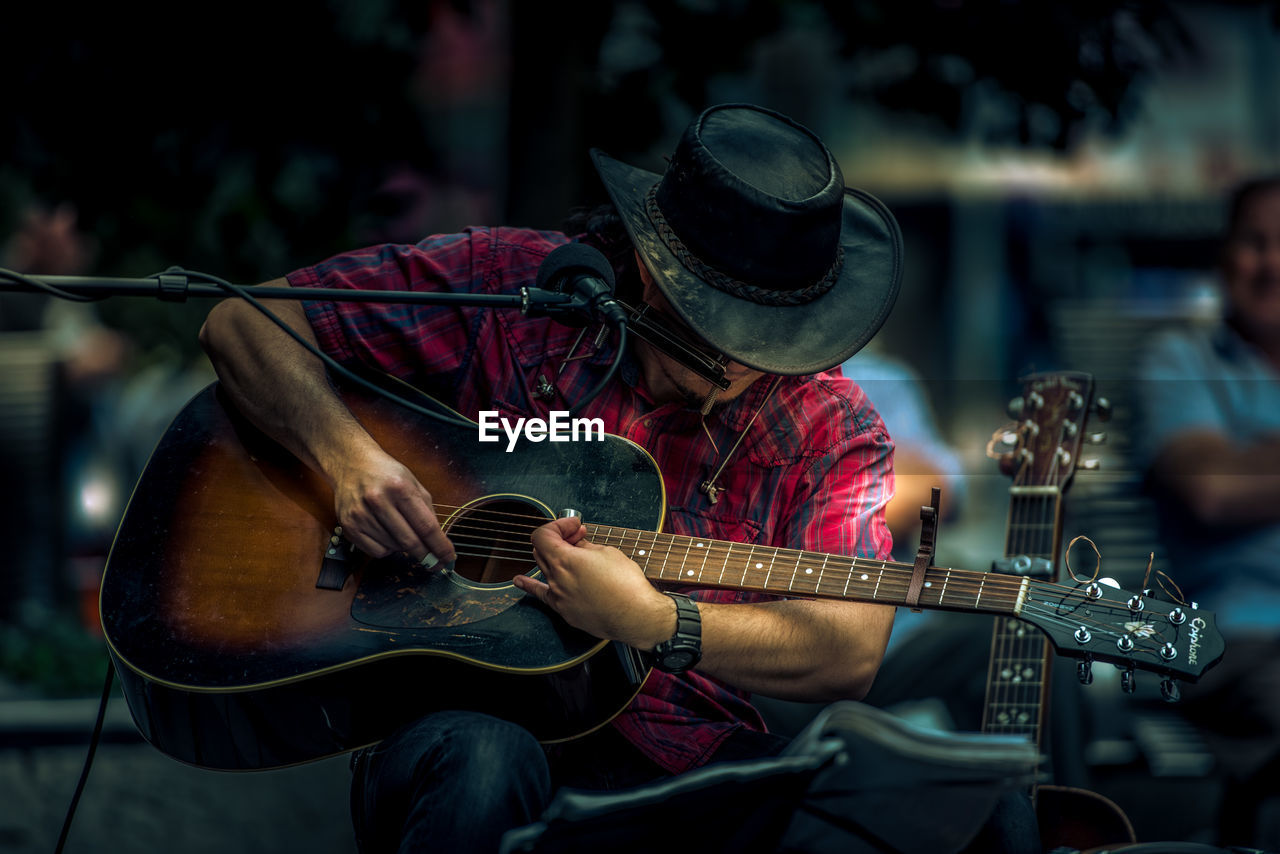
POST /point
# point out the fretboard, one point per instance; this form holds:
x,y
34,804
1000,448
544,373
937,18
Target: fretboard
x,y
676,560
1020,655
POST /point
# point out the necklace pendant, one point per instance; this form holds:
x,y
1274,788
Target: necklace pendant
x,y
544,390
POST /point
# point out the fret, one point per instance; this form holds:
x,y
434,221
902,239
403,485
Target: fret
x,y
807,557
758,565
636,551
638,554
683,560
705,554
1035,491
662,570
879,578
653,552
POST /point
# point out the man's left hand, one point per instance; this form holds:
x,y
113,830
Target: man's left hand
x,y
597,589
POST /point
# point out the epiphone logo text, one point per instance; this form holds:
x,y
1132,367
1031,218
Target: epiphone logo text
x,y
1197,626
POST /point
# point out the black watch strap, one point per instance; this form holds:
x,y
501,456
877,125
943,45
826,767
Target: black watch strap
x,y
684,649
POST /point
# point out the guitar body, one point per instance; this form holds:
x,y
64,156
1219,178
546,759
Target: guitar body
x,y
1080,819
248,636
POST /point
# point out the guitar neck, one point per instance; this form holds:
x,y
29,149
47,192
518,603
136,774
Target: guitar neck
x,y
1017,680
673,559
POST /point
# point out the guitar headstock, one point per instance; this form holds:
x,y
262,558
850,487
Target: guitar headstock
x,y
1095,622
1043,447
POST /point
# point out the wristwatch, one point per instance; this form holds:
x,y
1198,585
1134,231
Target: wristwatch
x,y
684,649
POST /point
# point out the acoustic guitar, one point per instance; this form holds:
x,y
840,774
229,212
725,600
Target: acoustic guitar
x,y
249,635
1052,411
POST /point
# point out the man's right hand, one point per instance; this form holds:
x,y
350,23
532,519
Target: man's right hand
x,y
285,392
384,509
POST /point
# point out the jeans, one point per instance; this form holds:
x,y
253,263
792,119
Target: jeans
x,y
452,781
456,781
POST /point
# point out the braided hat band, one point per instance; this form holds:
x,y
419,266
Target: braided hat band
x,y
728,284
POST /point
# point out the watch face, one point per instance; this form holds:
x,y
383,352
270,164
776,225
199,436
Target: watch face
x,y
677,660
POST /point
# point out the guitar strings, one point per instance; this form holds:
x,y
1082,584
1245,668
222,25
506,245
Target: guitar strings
x,y
963,580
895,583
1011,694
521,550
1045,614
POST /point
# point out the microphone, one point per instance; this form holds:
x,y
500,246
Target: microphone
x,y
585,273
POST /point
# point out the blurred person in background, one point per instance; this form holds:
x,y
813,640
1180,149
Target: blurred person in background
x,y
1210,408
922,458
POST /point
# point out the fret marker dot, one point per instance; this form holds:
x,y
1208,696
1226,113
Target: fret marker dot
x,y
690,572
759,566
928,584
808,570
699,545
641,553
865,576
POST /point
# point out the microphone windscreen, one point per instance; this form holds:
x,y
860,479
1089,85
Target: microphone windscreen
x,y
576,258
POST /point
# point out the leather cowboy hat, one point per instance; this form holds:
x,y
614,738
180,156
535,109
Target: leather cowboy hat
x,y
757,244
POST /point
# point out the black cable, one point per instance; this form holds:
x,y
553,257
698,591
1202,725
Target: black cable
x,y
88,760
44,287
331,363
609,375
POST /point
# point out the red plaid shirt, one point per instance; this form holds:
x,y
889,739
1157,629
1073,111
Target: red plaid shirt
x,y
813,472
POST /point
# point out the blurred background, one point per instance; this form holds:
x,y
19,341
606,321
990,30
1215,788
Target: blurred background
x,y
1058,170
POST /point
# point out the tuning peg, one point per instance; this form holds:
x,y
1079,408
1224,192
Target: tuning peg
x,y
1091,465
1127,681
1084,671
1169,690
1102,408
1016,407
1095,438
1075,400
1036,400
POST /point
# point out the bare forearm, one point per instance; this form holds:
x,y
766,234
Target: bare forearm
x,y
1221,482
284,390
277,384
814,651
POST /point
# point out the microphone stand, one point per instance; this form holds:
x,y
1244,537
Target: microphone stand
x,y
176,285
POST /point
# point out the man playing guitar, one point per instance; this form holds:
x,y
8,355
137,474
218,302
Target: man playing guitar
x,y
749,250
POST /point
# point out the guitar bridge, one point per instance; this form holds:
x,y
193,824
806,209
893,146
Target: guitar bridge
x,y
336,567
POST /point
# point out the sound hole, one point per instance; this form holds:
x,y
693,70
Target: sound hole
x,y
492,539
